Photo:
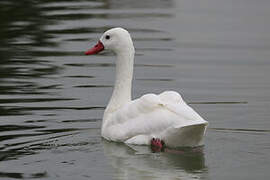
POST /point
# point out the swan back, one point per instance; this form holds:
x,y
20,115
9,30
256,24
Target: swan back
x,y
170,119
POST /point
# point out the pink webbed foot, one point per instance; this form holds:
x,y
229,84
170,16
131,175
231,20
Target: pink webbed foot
x,y
157,145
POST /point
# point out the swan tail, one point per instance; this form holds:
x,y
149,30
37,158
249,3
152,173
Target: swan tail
x,y
185,136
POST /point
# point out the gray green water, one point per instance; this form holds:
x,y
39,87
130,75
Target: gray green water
x,y
52,97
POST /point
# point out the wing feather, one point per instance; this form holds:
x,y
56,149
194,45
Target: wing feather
x,y
149,115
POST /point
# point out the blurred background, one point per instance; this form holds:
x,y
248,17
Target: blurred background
x,y
52,97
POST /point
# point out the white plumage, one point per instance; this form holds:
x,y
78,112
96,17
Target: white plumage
x,y
165,116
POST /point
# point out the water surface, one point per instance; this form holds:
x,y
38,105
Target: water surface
x,y
52,97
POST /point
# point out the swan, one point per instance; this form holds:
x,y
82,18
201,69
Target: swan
x,y
154,119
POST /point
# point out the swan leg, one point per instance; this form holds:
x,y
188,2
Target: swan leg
x,y
157,145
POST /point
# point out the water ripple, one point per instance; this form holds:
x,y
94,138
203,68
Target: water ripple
x,y
239,130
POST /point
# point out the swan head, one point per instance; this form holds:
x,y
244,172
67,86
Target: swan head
x,y
117,40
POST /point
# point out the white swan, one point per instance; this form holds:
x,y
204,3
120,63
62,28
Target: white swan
x,y
143,121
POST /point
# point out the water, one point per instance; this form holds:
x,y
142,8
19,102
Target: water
x,y
52,97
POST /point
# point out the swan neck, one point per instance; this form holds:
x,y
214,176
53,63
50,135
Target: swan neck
x,y
123,80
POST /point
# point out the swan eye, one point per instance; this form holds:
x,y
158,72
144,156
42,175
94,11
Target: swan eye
x,y
107,37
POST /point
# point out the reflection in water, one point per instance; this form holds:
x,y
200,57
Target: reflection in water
x,y
22,30
139,162
127,4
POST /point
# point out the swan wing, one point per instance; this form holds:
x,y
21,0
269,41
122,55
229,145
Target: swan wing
x,y
149,116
